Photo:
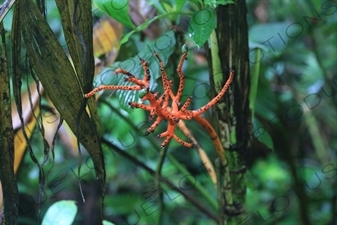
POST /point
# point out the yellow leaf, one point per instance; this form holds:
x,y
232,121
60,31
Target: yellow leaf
x,y
20,143
106,37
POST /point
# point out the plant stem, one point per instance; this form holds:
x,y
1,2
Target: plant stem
x,y
162,157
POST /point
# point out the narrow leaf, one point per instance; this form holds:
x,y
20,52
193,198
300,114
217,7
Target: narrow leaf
x,y
262,135
254,81
59,80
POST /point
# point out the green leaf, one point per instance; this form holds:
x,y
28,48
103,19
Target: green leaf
x,y
262,135
215,3
143,26
105,222
195,1
254,81
126,37
179,4
60,213
276,41
201,26
157,5
117,9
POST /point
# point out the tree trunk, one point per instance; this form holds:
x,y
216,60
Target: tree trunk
x,y
233,113
7,177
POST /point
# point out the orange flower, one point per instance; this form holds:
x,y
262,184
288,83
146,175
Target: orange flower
x,y
159,106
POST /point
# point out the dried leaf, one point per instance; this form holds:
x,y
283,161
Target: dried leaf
x,y
107,34
20,143
203,156
106,39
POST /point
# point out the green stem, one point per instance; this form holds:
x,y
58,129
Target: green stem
x,y
162,155
216,63
145,25
316,135
254,81
219,191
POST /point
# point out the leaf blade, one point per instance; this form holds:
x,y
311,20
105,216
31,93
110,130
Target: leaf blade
x,y
201,26
65,210
59,81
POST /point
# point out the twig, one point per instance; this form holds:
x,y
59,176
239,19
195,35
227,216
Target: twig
x,y
162,154
203,156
